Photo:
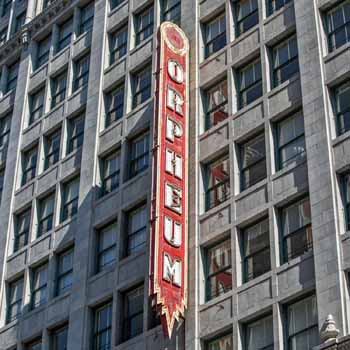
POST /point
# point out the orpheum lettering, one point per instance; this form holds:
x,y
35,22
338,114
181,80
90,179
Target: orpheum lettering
x,y
168,265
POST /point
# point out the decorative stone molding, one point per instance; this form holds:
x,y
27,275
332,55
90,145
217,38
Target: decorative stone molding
x,y
329,331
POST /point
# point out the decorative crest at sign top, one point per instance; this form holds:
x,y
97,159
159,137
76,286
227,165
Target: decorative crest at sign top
x,y
168,265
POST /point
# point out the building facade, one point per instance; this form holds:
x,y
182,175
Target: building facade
x,y
269,173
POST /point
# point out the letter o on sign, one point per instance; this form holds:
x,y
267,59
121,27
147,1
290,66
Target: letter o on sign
x,y
176,71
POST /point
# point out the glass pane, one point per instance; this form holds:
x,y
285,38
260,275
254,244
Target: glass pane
x,y
107,237
253,151
260,334
296,216
219,257
222,343
257,237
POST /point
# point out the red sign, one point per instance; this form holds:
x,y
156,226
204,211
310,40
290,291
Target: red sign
x,y
168,267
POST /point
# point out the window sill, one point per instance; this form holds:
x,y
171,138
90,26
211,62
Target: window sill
x,y
251,189
54,109
37,240
82,36
113,125
17,253
66,222
107,270
141,45
247,108
140,107
99,199
48,170
32,125
72,154
25,186
7,94
255,281
275,90
77,92
341,138
117,8
213,56
288,168
296,261
337,52
214,129
30,312
126,260
275,14
114,64
135,178
38,70
56,299
217,208
243,36
10,325
60,53
215,301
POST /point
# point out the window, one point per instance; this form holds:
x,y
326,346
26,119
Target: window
x,y
110,173
6,7
75,133
87,18
302,328
103,328
3,35
46,4
285,61
36,105
60,338
65,32
39,287
133,313
81,72
144,25
19,22
115,3
107,248
29,165
5,126
256,250
221,343
52,149
58,89
137,226
118,44
296,229
2,178
219,271
114,105
70,199
22,227
247,15
43,51
142,86
215,35
253,161
338,25
12,73
15,297
216,105
172,11
346,196
259,334
34,345
218,183
290,140
342,107
139,154
275,5
45,217
250,84
64,271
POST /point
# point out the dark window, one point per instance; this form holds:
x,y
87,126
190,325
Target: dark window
x,y
133,313
221,343
256,250
75,133
22,227
275,5
285,61
81,72
253,162
65,32
115,3
5,126
3,35
302,327
114,105
215,35
43,52
19,22
139,158
107,248
45,219
338,25
118,44
250,84
58,89
247,15
29,165
137,226
34,345
64,271
60,338
87,18
142,86
342,107
36,105
219,270
290,140
47,3
218,183
6,7
14,308
103,328
346,183
70,199
110,173
216,104
39,287
259,334
296,229
172,11
52,149
12,74
2,178
144,25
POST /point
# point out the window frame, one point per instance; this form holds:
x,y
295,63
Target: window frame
x,y
66,212
29,167
55,332
148,29
81,79
137,90
64,41
260,319
10,305
37,112
75,138
55,153
272,7
110,96
48,218
101,252
25,233
86,24
340,115
43,287
218,338
107,330
60,95
6,7
210,44
141,231
11,82
238,22
43,57
134,158
113,178
5,129
116,53
60,275
168,13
